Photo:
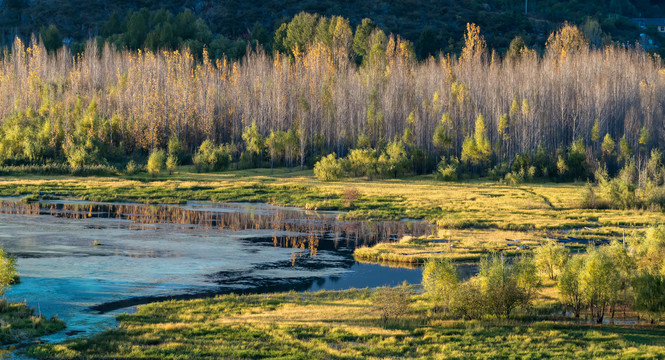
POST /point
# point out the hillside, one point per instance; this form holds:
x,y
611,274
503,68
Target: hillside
x,y
430,25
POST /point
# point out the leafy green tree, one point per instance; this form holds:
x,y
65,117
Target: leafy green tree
x,y
408,137
427,43
608,146
477,149
600,282
376,58
447,169
253,141
212,158
174,148
441,138
595,131
299,32
500,286
440,281
171,164
275,144
51,38
362,162
576,163
468,300
328,168
392,303
655,170
516,48
570,287
261,36
649,295
155,162
528,282
643,139
137,30
625,150
361,39
394,161
551,259
112,26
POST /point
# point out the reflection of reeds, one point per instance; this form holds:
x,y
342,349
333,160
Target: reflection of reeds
x,y
312,225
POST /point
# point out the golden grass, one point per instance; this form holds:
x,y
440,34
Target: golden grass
x,y
343,325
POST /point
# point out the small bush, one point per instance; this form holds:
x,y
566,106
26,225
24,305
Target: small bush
x,y
212,158
350,196
155,162
447,169
131,168
392,303
362,162
171,164
329,168
515,178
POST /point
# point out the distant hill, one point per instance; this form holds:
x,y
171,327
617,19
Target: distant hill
x,y
432,25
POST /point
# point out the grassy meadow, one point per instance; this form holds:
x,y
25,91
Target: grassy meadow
x,y
474,204
345,325
473,218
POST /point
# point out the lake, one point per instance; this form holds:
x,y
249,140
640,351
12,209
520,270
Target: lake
x,y
85,262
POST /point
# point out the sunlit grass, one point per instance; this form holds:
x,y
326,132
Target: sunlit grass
x,y
18,322
342,325
459,205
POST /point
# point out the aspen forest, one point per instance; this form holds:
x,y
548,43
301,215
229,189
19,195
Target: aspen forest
x,y
325,90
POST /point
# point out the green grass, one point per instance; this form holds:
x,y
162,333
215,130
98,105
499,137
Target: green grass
x,y
461,205
342,325
19,322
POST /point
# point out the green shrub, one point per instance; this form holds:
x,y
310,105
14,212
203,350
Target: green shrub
x,y
212,158
551,259
131,168
329,168
440,281
171,164
362,162
8,272
155,162
392,303
447,170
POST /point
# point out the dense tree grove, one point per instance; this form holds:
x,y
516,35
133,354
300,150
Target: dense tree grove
x,y
564,114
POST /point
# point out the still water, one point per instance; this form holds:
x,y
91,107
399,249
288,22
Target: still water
x,y
85,262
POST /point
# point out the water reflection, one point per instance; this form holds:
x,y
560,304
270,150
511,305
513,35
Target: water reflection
x,y
85,261
306,228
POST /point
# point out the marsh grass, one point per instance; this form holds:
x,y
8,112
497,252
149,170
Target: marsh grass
x,y
343,325
18,322
467,245
458,205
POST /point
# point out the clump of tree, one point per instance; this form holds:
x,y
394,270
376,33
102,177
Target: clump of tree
x,y
163,30
500,287
605,277
211,157
392,162
631,187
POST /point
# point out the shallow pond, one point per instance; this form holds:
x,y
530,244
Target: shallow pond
x,y
84,262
